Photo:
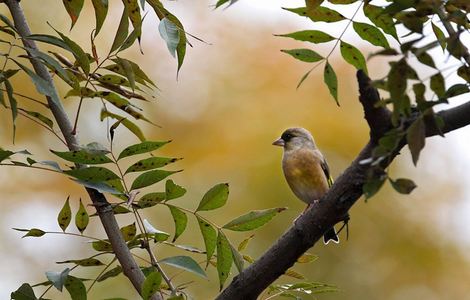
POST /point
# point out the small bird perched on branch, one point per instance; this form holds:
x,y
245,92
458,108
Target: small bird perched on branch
x,y
305,169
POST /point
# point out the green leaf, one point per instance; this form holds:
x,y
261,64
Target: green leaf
x,y
86,262
214,198
397,79
457,89
329,77
464,72
118,68
173,190
65,215
371,34
151,177
151,163
305,55
92,174
39,117
307,258
111,273
209,236
24,292
180,219
438,84
81,218
170,34
77,52
42,86
101,10
34,232
237,258
439,36
73,7
103,187
403,185
13,105
426,59
185,263
4,154
151,285
342,2
102,246
415,137
58,278
383,20
372,186
244,243
150,200
158,235
83,157
353,56
224,258
76,288
49,39
133,10
312,36
122,31
124,121
253,219
128,232
140,148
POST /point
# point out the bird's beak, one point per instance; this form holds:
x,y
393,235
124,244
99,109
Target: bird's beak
x,y
279,142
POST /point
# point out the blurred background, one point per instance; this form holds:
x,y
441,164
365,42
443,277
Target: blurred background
x,y
234,95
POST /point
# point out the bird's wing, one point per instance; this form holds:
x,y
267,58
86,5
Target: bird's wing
x,y
326,170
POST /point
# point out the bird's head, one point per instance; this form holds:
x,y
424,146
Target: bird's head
x,y
295,138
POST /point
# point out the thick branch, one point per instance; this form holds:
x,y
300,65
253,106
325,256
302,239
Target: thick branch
x,y
103,208
332,208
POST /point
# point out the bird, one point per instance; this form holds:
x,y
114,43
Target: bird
x,y
305,169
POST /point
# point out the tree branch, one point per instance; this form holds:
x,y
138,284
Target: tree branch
x,y
103,208
334,205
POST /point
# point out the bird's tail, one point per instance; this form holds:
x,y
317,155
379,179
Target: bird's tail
x,y
330,235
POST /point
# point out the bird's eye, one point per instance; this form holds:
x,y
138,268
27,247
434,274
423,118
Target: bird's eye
x,y
287,136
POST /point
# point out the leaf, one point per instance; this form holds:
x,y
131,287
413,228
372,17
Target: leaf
x,y
4,154
371,34
39,116
76,288
73,8
102,246
415,137
49,39
24,292
34,232
244,243
92,174
65,215
151,177
150,164
122,31
457,89
209,236
128,232
173,190
464,72
151,285
140,148
52,164
170,34
77,52
13,105
426,59
253,219
237,258
118,68
111,273
81,218
214,198
312,36
397,79
58,278
124,121
307,258
294,274
180,219
438,84
83,157
224,258
305,55
150,200
187,248
353,56
329,77
372,186
86,262
403,185
103,187
439,36
133,10
383,20
159,235
101,10
185,263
